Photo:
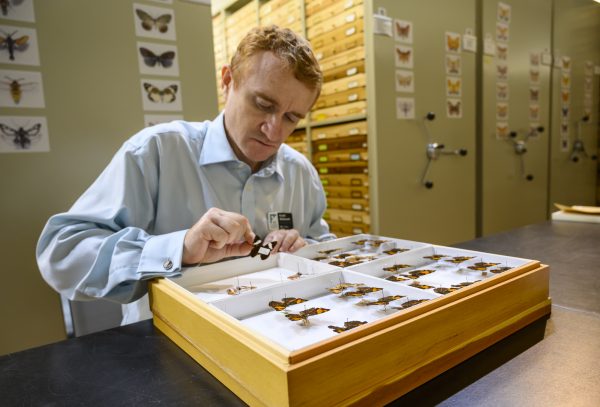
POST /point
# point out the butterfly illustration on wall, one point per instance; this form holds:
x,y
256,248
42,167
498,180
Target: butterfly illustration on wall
x,y
21,138
564,110
502,71
503,12
285,302
404,81
453,86
534,112
501,51
11,44
480,266
534,94
565,80
501,32
161,23
565,96
534,75
6,4
453,64
453,42
347,326
156,95
501,130
151,59
303,315
403,55
565,63
501,111
453,108
16,88
402,30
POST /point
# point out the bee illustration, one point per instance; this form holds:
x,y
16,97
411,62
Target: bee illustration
x,y
156,95
285,302
16,88
11,44
347,326
148,22
22,138
303,315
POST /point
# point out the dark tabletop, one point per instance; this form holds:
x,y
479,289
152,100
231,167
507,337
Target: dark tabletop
x,y
552,362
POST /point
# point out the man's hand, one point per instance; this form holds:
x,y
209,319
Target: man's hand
x,y
288,240
218,234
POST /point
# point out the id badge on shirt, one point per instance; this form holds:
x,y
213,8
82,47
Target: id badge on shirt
x,y
280,220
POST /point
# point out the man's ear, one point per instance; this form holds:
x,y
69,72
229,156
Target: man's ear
x,y
226,79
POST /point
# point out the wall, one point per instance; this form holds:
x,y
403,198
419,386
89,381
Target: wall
x,y
91,83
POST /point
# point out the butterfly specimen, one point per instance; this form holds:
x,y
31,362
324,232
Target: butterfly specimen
x,y
502,110
534,75
394,251
396,278
454,108
370,242
453,64
295,276
343,255
501,51
502,91
444,290
21,137
402,30
16,87
502,71
396,267
303,315
348,263
480,266
381,301
464,284
11,44
453,86
347,326
238,289
534,94
503,12
501,32
564,111
565,96
436,257
404,80
418,273
453,42
328,251
500,269
156,95
565,80
360,291
285,302
403,55
151,59
264,250
410,303
501,130
343,286
148,22
566,63
421,286
459,259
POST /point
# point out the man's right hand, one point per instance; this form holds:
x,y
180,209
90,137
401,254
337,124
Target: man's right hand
x,y
218,234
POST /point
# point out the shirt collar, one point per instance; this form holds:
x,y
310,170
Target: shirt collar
x,y
216,149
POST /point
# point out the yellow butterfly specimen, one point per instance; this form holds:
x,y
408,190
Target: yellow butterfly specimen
x,y
303,315
453,42
435,257
148,22
360,291
453,86
396,267
396,278
421,286
347,326
403,80
410,303
394,251
285,302
459,259
444,290
343,286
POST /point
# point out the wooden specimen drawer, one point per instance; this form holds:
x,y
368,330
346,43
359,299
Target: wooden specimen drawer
x,y
237,17
343,71
331,11
358,154
343,58
346,180
344,143
277,6
348,204
342,167
347,192
341,85
348,109
339,34
340,98
348,216
315,6
346,228
340,130
348,16
333,48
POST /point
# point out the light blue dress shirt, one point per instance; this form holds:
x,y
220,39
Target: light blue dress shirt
x,y
130,224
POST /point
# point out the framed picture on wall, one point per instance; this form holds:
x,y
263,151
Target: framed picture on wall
x,y
161,95
21,89
19,46
23,134
157,59
154,22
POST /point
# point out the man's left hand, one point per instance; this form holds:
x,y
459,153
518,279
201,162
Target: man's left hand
x,y
288,240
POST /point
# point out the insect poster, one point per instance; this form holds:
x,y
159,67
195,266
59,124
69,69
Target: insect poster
x,y
157,59
454,108
405,81
154,22
153,119
403,56
405,108
453,42
161,95
19,10
21,89
453,64
23,134
18,46
403,31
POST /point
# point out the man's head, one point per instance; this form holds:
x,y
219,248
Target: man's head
x,y
272,82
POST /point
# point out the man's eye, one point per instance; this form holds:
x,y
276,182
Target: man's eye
x,y
263,105
292,118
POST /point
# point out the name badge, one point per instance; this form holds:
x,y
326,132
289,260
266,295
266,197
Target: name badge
x,y
280,220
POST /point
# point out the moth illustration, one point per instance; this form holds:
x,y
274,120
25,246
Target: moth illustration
x,y
151,59
381,301
347,326
566,63
21,137
264,250
454,108
565,96
404,80
453,64
464,284
564,110
343,286
6,4
501,32
396,278
303,315
16,87
402,30
501,130
361,291
11,44
453,42
502,110
453,86
148,22
565,80
396,267
285,302
403,55
503,12
156,95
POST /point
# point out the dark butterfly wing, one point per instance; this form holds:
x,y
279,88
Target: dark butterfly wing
x,y
313,311
150,58
166,58
295,317
277,306
154,94
337,329
146,19
7,130
256,245
396,278
292,300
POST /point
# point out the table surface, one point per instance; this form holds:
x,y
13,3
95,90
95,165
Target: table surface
x,y
551,362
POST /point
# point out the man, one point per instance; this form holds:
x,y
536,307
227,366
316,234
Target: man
x,y
184,193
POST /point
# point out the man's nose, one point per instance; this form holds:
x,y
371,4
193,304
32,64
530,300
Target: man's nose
x,y
272,127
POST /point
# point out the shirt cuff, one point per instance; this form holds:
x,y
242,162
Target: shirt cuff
x,y
161,255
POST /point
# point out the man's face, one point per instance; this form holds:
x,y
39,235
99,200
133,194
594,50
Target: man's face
x,y
263,110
